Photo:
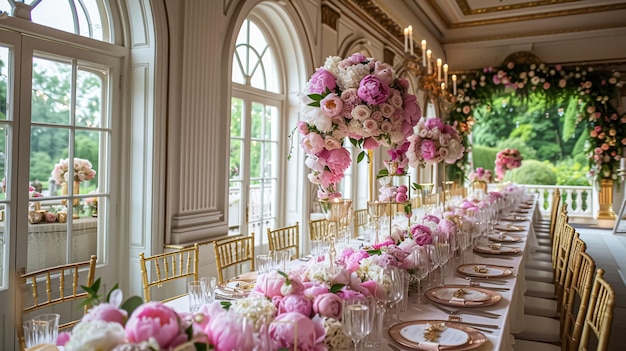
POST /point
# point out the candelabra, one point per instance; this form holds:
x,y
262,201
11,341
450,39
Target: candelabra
x,y
434,82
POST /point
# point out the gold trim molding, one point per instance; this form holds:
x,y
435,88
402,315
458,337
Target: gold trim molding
x,y
467,10
378,15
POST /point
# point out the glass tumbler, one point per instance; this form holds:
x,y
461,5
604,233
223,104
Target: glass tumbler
x,y
42,329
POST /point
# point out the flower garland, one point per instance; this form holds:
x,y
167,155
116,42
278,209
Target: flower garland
x,y
595,89
507,159
358,98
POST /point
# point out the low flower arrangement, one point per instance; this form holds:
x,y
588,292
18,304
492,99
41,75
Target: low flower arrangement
x,y
507,159
481,175
358,98
82,171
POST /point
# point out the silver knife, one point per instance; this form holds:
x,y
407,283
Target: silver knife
x,y
480,325
479,313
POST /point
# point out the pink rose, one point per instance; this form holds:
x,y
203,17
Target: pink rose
x,y
331,105
328,305
428,150
295,303
434,123
312,143
321,80
370,144
51,217
303,127
309,332
372,90
155,320
106,312
401,197
446,226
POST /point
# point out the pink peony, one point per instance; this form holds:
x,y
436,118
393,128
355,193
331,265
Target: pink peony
x,y
106,312
312,143
286,327
320,81
269,284
428,150
331,105
229,331
337,159
155,320
328,305
372,90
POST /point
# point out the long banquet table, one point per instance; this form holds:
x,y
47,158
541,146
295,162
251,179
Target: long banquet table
x,y
510,307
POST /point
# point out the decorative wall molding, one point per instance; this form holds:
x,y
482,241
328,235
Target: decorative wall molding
x,y
378,15
330,16
388,56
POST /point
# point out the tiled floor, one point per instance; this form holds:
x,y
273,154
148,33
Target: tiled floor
x,y
609,252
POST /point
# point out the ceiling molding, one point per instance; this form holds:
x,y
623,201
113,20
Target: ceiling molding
x,y
467,10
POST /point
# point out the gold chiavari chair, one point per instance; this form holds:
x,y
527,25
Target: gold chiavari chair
x,y
544,228
54,281
560,253
285,238
318,229
361,219
231,252
599,317
540,331
167,268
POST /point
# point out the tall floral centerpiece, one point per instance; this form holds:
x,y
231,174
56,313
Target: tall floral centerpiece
x,y
358,98
507,159
83,171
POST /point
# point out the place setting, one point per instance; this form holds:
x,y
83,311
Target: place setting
x,y
504,238
436,335
462,296
497,249
482,270
508,227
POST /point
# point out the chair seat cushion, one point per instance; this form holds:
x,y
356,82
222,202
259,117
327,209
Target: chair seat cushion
x,y
541,256
537,328
539,265
544,249
539,275
540,289
528,345
537,306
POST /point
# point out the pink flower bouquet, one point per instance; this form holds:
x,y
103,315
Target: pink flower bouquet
x,y
434,142
481,175
82,171
507,159
359,98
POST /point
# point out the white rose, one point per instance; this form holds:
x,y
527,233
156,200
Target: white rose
x,y
361,112
96,335
455,149
331,64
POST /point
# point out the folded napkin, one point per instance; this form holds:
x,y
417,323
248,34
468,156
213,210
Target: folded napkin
x,y
471,295
447,336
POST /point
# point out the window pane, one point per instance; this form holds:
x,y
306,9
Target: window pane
x,y
236,116
256,125
255,201
269,198
239,62
271,123
255,159
269,160
54,13
235,217
4,133
47,147
269,63
87,145
51,91
235,159
4,82
88,99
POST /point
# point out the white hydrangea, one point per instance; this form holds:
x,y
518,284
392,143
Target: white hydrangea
x,y
96,335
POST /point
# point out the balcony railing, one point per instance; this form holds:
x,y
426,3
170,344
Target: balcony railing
x,y
579,199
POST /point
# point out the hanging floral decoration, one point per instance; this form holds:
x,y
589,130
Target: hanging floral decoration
x,y
361,99
595,89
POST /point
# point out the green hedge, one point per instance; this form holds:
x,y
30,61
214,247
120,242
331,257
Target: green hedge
x,y
484,156
533,172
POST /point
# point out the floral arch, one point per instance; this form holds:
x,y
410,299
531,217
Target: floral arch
x,y
524,74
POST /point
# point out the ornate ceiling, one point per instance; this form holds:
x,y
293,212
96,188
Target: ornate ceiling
x,y
457,21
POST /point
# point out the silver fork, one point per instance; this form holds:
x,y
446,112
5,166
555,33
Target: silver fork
x,y
461,311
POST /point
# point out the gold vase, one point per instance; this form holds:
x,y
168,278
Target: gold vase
x,y
335,211
76,191
605,199
479,185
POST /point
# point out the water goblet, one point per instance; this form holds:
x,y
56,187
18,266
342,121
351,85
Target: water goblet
x,y
356,319
420,270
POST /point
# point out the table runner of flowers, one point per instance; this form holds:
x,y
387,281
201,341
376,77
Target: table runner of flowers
x,y
299,310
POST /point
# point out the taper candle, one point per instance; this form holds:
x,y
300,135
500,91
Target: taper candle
x,y
445,73
411,38
406,39
429,55
439,69
423,43
454,84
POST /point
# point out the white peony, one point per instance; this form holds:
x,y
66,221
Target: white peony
x,y
96,335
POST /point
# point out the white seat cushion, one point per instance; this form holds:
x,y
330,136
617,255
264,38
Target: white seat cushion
x,y
540,289
540,329
537,306
539,265
527,345
539,275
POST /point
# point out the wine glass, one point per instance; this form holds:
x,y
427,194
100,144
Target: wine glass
x,y
387,290
441,254
420,270
356,319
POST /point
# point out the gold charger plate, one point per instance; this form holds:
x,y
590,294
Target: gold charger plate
x,y
477,270
494,250
514,218
490,297
237,287
474,337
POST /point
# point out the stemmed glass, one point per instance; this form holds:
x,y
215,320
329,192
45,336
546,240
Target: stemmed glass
x,y
441,254
356,319
387,290
420,270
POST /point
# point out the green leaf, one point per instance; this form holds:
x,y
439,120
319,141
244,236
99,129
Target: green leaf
x,y
287,281
353,142
382,173
131,304
408,208
416,186
109,294
225,305
189,332
360,157
316,97
336,288
315,104
374,252
200,346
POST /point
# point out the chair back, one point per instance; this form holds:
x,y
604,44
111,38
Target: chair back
x,y
556,201
361,219
559,229
230,252
599,317
285,238
577,300
54,281
167,268
318,229
570,275
563,254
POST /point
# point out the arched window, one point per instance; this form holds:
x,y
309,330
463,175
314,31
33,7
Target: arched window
x,y
59,127
255,125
